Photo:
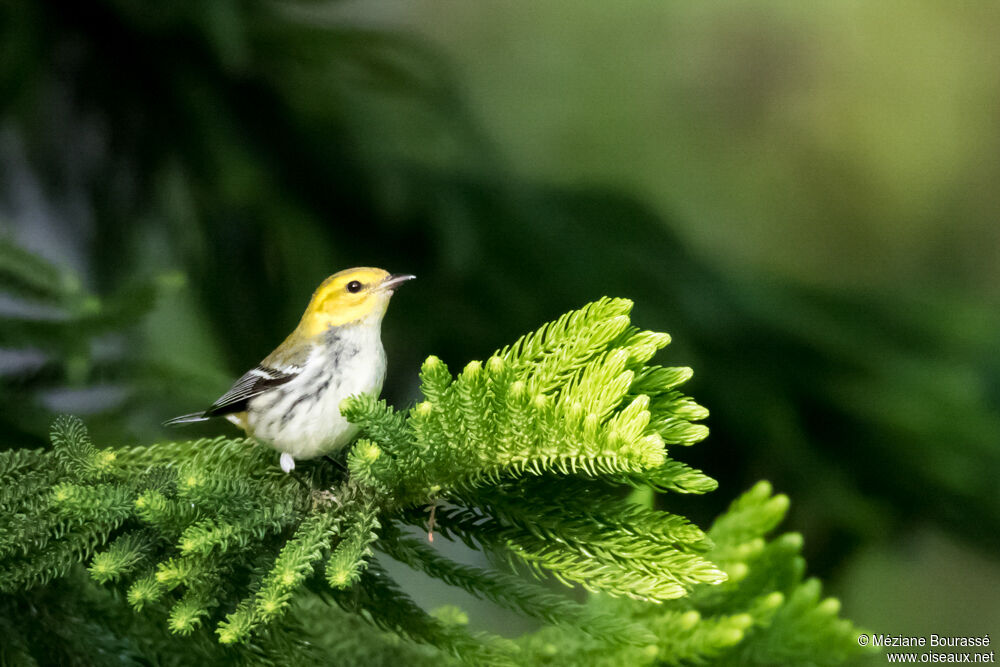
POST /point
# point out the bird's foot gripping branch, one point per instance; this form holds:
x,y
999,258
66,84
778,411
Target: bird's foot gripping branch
x,y
527,456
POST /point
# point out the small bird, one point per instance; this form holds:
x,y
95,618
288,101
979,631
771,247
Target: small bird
x,y
291,400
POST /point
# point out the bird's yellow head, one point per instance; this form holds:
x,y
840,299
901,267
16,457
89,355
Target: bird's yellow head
x,y
350,296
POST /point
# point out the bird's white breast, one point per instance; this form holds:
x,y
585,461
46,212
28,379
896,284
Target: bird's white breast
x,y
302,418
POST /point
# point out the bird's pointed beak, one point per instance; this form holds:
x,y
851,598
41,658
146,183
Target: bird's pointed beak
x,y
392,282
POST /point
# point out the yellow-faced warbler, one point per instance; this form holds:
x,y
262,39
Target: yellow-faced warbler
x,y
291,400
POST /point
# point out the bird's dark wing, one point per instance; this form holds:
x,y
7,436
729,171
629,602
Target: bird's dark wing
x,y
254,382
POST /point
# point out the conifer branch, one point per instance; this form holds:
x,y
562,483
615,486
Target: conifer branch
x,y
514,593
525,455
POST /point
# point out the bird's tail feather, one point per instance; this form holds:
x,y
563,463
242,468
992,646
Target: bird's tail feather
x,y
186,419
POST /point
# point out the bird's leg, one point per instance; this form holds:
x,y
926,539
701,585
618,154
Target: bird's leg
x,y
305,485
288,465
336,462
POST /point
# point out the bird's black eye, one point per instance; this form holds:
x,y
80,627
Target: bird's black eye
x,y
354,286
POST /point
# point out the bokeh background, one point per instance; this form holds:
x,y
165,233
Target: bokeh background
x,y
803,194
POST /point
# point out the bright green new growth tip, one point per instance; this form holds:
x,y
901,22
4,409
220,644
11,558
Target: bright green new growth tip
x,y
527,456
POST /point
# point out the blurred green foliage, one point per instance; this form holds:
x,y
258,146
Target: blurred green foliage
x,y
256,147
843,143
